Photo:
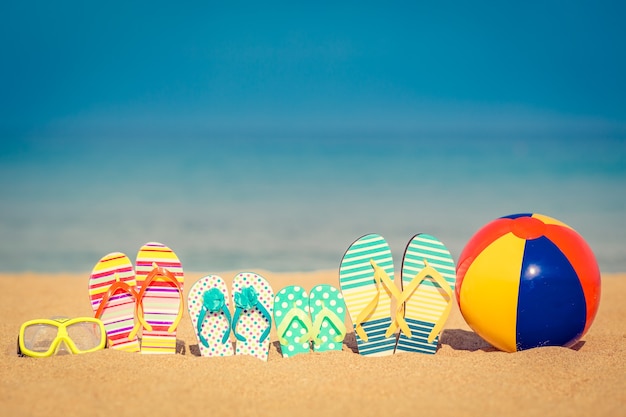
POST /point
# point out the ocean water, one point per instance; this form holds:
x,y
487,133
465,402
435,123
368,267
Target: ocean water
x,y
294,203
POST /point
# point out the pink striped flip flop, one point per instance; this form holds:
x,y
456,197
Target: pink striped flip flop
x,y
160,280
113,293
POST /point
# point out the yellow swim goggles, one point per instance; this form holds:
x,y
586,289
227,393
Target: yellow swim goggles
x,y
41,338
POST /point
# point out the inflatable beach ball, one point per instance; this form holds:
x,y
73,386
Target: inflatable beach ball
x,y
528,280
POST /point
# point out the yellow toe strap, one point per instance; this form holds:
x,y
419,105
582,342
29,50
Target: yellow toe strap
x,y
381,278
408,291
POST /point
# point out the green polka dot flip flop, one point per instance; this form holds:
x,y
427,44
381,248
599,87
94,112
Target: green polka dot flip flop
x,y
328,313
209,303
293,323
252,320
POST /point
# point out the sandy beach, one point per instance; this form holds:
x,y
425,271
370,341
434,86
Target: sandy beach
x,y
466,377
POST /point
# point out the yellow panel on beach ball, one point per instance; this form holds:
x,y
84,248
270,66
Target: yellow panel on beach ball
x,y
490,290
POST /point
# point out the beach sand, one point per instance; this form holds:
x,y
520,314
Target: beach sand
x,y
465,378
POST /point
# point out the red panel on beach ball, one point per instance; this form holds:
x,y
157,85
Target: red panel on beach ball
x,y
528,280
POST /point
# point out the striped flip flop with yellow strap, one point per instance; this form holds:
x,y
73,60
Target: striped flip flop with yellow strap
x,y
160,280
428,280
366,278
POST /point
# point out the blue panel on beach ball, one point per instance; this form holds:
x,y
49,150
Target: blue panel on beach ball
x,y
551,307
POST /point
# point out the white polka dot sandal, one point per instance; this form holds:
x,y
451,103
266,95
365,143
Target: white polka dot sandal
x,y
209,304
252,320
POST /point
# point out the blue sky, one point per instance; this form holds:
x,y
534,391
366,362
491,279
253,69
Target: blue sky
x,y
327,120
143,67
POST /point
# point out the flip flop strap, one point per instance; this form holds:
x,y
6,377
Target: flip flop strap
x,y
202,316
115,287
118,285
239,308
326,313
168,276
380,278
428,271
294,313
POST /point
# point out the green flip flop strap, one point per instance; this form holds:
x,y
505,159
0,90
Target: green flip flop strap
x,y
334,319
294,313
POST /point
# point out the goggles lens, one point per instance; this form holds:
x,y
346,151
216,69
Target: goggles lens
x,y
39,337
46,337
85,335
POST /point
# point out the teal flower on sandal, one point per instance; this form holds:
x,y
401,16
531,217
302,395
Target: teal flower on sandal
x,y
247,299
254,300
213,301
209,308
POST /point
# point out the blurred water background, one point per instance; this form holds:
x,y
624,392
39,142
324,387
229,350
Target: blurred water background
x,y
295,203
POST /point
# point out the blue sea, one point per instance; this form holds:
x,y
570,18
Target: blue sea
x,y
294,202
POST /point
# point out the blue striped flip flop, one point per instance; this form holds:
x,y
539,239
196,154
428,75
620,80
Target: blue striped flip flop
x,y
366,281
428,280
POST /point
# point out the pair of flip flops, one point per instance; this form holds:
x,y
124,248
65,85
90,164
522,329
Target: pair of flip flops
x,y
146,300
423,302
209,305
301,318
